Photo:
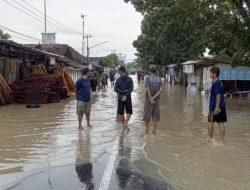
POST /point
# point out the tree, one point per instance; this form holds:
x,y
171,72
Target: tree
x,y
4,36
111,60
176,30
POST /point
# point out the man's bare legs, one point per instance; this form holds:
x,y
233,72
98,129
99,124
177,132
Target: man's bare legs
x,y
88,120
126,121
222,132
80,121
120,118
154,127
147,128
210,131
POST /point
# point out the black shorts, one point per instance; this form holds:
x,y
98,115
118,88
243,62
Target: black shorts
x,y
219,118
126,105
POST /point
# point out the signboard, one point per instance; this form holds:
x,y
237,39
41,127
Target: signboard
x,y
188,68
90,66
241,75
225,75
234,75
48,38
247,75
52,60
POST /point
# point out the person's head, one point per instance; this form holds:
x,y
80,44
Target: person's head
x,y
122,70
153,69
214,72
86,72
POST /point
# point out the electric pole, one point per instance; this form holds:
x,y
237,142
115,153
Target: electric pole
x,y
113,50
83,37
45,17
87,37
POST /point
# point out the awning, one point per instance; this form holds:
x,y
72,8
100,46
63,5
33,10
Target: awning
x,y
235,74
192,62
172,66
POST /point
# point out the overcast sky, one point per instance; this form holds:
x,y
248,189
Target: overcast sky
x,y
111,20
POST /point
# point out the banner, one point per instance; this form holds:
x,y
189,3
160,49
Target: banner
x,y
235,75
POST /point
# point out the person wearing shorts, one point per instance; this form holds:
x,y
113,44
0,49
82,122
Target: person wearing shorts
x,y
153,85
124,87
83,96
217,107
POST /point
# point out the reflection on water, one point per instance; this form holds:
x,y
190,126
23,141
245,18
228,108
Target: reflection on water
x,y
33,140
83,164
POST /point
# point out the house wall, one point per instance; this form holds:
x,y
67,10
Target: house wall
x,y
9,68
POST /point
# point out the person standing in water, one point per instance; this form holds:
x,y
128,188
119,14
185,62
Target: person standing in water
x,y
217,106
124,87
153,85
83,96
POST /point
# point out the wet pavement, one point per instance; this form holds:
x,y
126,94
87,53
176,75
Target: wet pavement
x,y
43,149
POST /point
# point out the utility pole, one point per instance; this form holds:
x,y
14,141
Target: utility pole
x,y
113,50
87,37
45,17
83,37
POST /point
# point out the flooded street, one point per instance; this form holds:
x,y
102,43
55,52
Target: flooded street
x,y
43,148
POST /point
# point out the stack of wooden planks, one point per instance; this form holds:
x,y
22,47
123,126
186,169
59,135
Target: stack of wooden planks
x,y
39,89
6,96
39,69
68,81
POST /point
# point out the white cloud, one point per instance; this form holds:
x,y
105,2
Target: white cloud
x,y
111,20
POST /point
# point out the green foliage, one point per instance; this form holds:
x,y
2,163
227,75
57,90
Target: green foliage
x,y
4,36
111,60
177,30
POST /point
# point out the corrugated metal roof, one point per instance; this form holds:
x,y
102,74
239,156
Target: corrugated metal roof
x,y
191,62
63,50
172,65
28,48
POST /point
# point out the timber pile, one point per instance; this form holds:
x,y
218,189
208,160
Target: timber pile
x,y
39,70
39,89
5,92
68,81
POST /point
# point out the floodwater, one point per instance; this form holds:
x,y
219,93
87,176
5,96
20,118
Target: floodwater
x,y
43,149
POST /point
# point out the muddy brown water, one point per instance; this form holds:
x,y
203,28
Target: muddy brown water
x,y
33,140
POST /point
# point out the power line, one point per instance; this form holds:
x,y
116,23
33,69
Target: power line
x,y
50,17
23,39
30,37
30,15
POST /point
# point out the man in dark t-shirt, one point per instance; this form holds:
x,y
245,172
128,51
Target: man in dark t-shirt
x,y
83,96
124,87
217,107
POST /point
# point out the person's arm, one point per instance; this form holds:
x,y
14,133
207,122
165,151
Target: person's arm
x,y
131,88
217,107
157,94
77,86
219,93
117,88
148,93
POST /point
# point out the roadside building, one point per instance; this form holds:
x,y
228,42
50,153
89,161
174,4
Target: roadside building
x,y
236,79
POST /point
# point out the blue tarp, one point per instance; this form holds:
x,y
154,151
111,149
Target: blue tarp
x,y
235,75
